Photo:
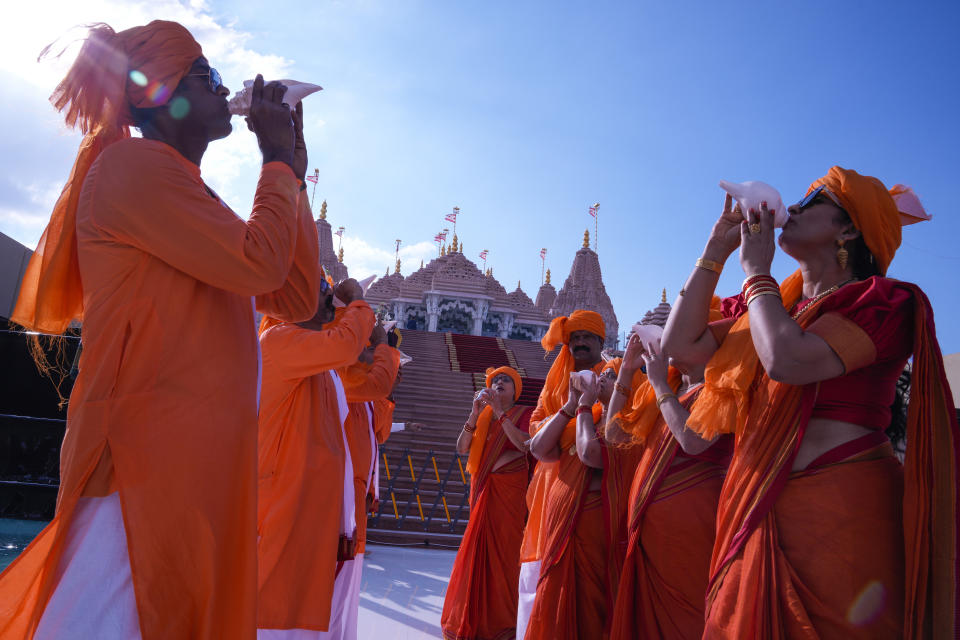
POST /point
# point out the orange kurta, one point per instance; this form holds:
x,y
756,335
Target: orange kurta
x,y
363,385
481,598
301,465
167,391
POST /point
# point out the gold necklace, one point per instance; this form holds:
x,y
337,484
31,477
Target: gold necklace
x,y
812,301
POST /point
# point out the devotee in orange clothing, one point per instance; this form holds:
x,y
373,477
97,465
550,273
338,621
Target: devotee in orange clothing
x,y
672,505
366,381
571,596
821,532
154,534
306,520
481,599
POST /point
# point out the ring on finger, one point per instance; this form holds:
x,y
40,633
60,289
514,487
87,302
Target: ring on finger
x,y
754,228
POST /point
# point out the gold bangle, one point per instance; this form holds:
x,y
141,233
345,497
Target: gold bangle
x,y
468,429
709,265
664,397
622,389
763,293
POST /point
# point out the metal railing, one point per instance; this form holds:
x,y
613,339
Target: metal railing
x,y
452,480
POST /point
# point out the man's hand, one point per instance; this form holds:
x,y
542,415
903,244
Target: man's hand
x,y
413,426
299,145
349,291
270,120
633,356
378,336
590,392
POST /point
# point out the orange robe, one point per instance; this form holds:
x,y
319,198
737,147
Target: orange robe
x,y
302,467
363,385
481,598
164,409
672,514
583,535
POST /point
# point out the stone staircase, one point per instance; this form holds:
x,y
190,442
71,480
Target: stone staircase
x,y
437,390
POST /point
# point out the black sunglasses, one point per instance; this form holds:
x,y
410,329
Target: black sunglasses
x,y
214,81
810,197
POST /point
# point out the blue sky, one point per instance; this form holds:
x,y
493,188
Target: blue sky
x,y
525,113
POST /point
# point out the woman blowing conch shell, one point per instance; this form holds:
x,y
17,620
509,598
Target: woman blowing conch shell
x,y
239,104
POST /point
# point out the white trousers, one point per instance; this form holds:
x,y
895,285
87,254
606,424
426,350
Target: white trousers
x,y
93,596
529,576
343,612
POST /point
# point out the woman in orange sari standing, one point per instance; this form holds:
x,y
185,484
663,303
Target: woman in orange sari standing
x,y
481,600
821,531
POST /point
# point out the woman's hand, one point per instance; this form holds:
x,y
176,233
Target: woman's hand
x,y
480,401
757,245
725,236
633,356
657,364
496,402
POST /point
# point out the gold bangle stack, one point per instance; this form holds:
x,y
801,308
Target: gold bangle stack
x,y
663,397
709,265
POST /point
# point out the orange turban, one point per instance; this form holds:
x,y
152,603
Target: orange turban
x,y
580,320
139,67
876,212
514,375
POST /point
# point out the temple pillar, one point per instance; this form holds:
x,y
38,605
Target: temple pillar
x,y
433,311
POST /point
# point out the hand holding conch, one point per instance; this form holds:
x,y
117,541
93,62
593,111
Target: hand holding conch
x,y
750,195
239,104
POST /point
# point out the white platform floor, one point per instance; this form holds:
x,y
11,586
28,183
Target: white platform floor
x,y
401,592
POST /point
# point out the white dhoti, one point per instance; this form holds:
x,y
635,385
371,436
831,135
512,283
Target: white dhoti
x,y
93,596
529,576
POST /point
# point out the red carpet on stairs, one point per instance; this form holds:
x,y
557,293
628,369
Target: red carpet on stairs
x,y
476,354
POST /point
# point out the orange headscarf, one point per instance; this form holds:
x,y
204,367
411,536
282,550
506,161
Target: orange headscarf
x,y
613,363
554,393
878,214
138,67
514,375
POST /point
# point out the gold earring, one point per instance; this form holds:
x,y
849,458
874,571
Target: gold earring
x,y
842,254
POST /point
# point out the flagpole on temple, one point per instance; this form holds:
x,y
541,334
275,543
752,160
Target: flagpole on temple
x,y
315,178
596,227
543,263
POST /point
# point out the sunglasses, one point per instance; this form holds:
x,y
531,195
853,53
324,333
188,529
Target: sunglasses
x,y
214,81
810,197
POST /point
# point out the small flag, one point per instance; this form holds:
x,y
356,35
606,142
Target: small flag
x,y
483,254
339,232
443,235
451,217
593,210
314,178
543,253
438,237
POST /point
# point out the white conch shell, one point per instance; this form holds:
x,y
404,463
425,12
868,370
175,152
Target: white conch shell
x,y
750,194
239,104
404,358
389,325
581,378
647,332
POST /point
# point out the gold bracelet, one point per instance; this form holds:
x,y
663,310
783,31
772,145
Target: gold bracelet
x,y
664,397
763,293
622,389
468,429
709,265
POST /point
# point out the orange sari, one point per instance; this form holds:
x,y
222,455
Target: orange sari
x,y
673,506
861,578
481,599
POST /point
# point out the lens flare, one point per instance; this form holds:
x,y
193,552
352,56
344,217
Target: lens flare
x,y
158,93
868,604
179,108
138,78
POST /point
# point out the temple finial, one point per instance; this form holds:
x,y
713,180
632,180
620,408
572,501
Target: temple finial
x,y
323,210
548,276
340,255
663,298
586,238
421,263
398,266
